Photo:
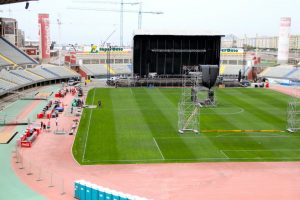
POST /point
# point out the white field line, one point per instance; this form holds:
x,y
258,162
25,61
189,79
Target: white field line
x,y
134,160
131,91
223,153
158,148
269,135
88,129
224,113
263,150
164,138
254,136
225,136
145,160
194,159
71,152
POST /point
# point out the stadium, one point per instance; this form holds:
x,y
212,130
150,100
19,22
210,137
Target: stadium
x,y
175,116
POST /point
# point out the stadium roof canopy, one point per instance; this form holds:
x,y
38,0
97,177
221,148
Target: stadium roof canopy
x,y
10,55
13,1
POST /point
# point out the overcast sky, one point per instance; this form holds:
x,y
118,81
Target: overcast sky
x,y
238,17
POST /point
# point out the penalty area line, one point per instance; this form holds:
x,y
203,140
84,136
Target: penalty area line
x,y
223,153
158,148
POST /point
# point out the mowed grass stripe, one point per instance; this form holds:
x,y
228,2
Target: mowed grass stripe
x,y
264,154
173,95
160,124
207,147
276,145
271,102
258,147
102,129
236,122
257,116
132,132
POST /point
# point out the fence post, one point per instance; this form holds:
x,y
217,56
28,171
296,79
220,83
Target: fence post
x,y
21,161
51,183
29,169
62,187
39,175
17,156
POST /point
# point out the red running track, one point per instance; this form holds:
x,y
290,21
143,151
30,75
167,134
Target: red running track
x,y
286,90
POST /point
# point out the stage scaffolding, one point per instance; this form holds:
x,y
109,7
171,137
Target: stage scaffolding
x,y
293,113
188,107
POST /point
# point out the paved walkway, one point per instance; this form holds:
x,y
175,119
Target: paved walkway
x,y
11,186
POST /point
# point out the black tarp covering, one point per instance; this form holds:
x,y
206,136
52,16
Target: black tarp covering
x,y
166,54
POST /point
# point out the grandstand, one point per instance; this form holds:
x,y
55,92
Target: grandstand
x,y
287,72
121,69
6,85
30,77
10,55
94,69
96,64
18,71
52,72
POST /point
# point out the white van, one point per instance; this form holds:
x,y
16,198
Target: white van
x,y
114,78
71,82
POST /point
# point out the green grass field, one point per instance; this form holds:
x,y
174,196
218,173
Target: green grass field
x,y
139,125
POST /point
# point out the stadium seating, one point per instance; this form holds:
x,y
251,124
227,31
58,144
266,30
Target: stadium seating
x,y
94,69
7,85
8,76
13,54
59,71
120,69
14,79
86,69
39,71
3,62
27,74
282,72
295,74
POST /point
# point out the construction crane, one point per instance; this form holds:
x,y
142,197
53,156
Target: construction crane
x,y
105,41
121,11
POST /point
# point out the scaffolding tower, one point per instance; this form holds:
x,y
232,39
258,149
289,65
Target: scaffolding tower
x,y
293,114
188,107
